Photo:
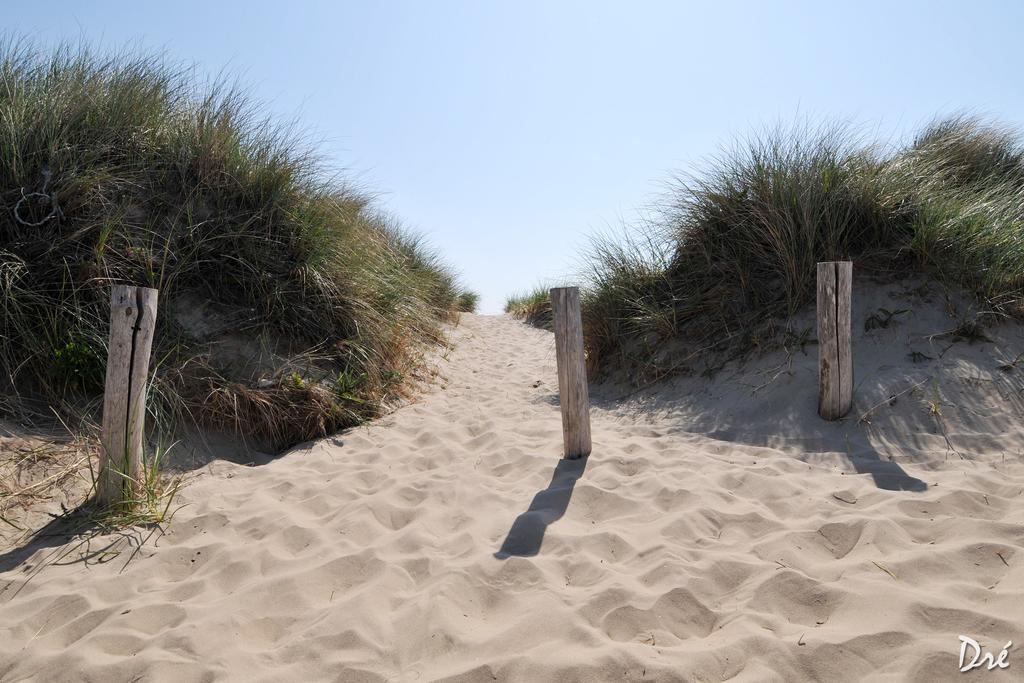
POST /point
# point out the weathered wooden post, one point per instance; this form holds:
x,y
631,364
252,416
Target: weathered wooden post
x,y
572,373
132,321
835,358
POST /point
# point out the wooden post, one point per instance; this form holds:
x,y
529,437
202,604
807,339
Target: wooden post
x,y
572,372
132,322
835,357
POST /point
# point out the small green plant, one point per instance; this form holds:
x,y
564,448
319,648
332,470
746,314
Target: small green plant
x,y
77,367
151,502
158,491
348,386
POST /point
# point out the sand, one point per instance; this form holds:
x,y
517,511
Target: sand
x,y
719,531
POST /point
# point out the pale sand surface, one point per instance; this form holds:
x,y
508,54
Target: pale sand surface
x,y
719,531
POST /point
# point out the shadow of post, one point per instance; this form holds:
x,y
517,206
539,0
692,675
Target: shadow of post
x,y
888,475
69,539
527,533
784,426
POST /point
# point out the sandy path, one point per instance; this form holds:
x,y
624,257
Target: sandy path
x,y
401,551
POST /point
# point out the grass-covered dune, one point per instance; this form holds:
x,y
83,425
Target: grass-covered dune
x,y
532,307
289,306
732,253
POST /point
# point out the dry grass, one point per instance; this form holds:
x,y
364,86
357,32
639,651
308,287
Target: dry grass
x,y
39,470
52,476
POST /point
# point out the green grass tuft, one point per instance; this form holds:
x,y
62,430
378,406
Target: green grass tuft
x,y
467,302
532,307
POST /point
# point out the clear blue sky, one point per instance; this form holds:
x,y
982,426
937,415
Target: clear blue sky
x,y
510,131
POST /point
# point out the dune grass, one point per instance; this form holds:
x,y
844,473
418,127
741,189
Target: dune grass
x,y
289,306
532,307
467,302
731,255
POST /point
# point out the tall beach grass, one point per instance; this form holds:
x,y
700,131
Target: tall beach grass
x,y
532,307
731,254
289,306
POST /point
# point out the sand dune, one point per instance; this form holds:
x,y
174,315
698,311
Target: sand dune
x,y
720,531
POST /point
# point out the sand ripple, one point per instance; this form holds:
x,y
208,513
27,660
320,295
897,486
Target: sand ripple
x,y
448,542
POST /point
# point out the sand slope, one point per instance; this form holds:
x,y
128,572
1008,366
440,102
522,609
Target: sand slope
x,y
448,541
